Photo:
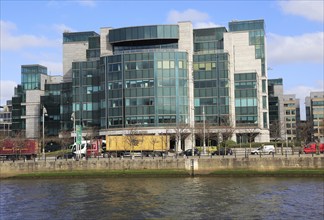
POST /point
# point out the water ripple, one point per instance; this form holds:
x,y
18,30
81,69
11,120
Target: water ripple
x,y
163,198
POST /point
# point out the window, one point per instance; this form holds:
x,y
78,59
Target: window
x,y
264,86
264,102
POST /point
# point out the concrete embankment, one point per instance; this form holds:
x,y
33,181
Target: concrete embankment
x,y
190,166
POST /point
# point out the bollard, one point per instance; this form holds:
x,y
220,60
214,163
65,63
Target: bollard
x,y
192,167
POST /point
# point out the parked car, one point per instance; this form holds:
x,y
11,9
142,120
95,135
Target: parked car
x,y
266,149
221,151
313,148
52,146
189,152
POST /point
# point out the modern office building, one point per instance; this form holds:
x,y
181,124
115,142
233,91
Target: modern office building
x,y
5,119
157,79
292,116
276,109
315,114
26,104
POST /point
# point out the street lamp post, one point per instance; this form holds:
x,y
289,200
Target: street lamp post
x,y
44,113
74,131
73,119
192,131
204,122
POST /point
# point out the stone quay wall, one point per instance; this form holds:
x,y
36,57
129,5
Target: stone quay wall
x,y
203,165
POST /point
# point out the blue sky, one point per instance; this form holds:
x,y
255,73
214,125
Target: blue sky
x,y
31,32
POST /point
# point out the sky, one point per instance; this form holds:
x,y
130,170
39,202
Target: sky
x,y
31,33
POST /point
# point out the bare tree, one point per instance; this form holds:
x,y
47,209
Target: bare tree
x,y
251,134
154,140
206,132
91,133
19,141
227,131
305,131
132,138
277,132
181,131
65,139
199,131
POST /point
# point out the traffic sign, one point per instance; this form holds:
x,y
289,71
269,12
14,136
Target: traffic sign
x,y
78,129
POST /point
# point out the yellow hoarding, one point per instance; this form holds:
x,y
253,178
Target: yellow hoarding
x,y
137,143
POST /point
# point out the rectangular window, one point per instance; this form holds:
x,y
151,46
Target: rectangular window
x,y
264,86
180,64
159,64
265,120
264,102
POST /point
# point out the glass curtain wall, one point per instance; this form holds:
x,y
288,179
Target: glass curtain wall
x,y
211,88
66,106
146,89
86,93
246,103
51,101
211,83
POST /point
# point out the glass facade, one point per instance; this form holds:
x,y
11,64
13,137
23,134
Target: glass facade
x,y
246,101
94,48
211,88
144,81
209,40
17,122
256,37
144,33
273,102
30,76
66,106
52,101
78,36
145,89
86,93
211,76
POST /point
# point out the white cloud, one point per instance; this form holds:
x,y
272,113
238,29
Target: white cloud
x,y
199,19
87,3
53,68
205,25
289,49
61,28
10,41
6,90
310,9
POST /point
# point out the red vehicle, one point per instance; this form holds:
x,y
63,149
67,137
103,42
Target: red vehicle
x,y
93,148
10,150
312,148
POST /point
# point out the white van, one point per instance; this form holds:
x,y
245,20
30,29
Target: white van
x,y
266,149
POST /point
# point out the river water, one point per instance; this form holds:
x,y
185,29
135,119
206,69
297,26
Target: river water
x,y
163,198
